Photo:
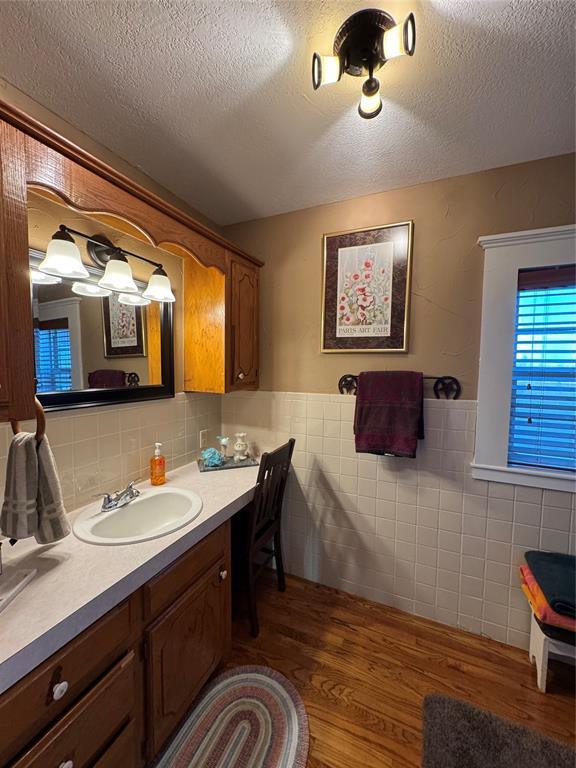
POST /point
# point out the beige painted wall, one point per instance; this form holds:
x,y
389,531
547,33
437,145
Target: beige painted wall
x,y
449,215
17,98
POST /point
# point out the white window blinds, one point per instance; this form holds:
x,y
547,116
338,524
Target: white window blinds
x,y
543,410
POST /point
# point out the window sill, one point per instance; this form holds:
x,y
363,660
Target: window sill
x,y
535,478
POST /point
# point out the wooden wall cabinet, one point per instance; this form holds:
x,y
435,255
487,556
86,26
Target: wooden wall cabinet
x,y
131,677
244,325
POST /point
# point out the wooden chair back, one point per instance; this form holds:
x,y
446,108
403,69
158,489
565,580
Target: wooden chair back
x,y
266,509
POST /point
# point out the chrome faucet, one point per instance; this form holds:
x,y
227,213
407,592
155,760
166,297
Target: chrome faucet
x,y
120,498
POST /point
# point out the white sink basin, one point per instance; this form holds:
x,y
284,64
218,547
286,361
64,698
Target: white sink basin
x,y
156,512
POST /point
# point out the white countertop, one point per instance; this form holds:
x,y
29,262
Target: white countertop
x,y
77,583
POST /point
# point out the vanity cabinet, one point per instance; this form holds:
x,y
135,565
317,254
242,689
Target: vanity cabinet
x,y
115,694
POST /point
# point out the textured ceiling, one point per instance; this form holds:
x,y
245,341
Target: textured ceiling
x,y
214,101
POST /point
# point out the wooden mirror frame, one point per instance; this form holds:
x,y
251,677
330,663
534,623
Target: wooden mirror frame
x,y
33,155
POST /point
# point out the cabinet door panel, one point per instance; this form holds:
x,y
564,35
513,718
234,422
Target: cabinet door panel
x,y
184,646
244,320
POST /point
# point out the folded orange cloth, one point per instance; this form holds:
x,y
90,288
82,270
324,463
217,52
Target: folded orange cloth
x,y
540,605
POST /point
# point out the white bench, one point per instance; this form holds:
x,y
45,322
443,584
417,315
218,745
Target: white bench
x,y
541,646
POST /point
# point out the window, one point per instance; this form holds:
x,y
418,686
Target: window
x,y
53,356
543,408
543,411
526,425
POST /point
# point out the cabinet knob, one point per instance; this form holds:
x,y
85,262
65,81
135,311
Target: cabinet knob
x,y
60,690
67,764
240,375
223,575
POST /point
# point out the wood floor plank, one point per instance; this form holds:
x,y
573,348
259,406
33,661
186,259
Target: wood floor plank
x,y
363,670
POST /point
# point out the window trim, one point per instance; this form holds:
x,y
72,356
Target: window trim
x,y
504,256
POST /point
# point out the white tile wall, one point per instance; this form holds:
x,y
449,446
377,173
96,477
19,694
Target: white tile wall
x,y
99,450
422,534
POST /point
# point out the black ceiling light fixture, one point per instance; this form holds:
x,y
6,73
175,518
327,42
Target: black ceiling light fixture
x,y
363,44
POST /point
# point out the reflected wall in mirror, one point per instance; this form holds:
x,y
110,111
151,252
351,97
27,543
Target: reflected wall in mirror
x,y
92,348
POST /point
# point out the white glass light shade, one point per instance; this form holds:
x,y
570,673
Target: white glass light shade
x,y
159,288
90,289
118,276
400,40
325,70
63,258
40,278
133,300
370,103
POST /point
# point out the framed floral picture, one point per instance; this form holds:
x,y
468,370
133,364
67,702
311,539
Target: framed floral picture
x,y
366,289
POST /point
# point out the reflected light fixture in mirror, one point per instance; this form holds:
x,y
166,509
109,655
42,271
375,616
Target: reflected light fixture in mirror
x,y
133,300
63,258
118,275
159,288
90,289
41,278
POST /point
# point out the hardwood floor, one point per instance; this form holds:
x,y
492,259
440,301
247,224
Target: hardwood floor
x,y
363,669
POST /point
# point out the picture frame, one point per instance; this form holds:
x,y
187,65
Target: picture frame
x,y
123,329
366,289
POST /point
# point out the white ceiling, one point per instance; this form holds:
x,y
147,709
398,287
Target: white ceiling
x,y
214,100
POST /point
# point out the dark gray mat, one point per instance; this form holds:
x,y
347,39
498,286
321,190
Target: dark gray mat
x,y
458,735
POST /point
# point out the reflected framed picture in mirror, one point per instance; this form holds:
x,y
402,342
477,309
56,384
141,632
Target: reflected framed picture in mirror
x,y
123,329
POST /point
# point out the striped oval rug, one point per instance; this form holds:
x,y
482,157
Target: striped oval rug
x,y
249,717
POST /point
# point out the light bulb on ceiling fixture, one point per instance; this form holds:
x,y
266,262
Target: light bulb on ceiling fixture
x,y
325,70
90,289
133,300
159,288
41,278
118,275
400,40
370,103
63,258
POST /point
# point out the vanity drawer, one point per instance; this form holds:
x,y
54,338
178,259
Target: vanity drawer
x,y
91,725
162,591
122,753
34,702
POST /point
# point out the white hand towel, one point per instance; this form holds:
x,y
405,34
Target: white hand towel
x,y
33,498
19,517
53,522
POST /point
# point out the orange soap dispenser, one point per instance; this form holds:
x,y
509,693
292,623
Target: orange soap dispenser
x,y
157,466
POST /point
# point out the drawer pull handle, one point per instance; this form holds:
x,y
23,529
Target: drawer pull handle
x,y
60,690
67,764
223,575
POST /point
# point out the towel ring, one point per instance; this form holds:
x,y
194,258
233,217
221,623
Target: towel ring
x,y
40,422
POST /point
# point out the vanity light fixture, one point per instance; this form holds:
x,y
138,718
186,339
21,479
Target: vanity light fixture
x,y
117,277
90,289
159,288
133,300
41,278
362,45
63,258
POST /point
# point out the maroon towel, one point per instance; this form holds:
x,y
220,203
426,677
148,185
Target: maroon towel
x,y
105,378
389,417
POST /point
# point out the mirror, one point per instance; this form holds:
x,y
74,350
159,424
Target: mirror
x,y
90,349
